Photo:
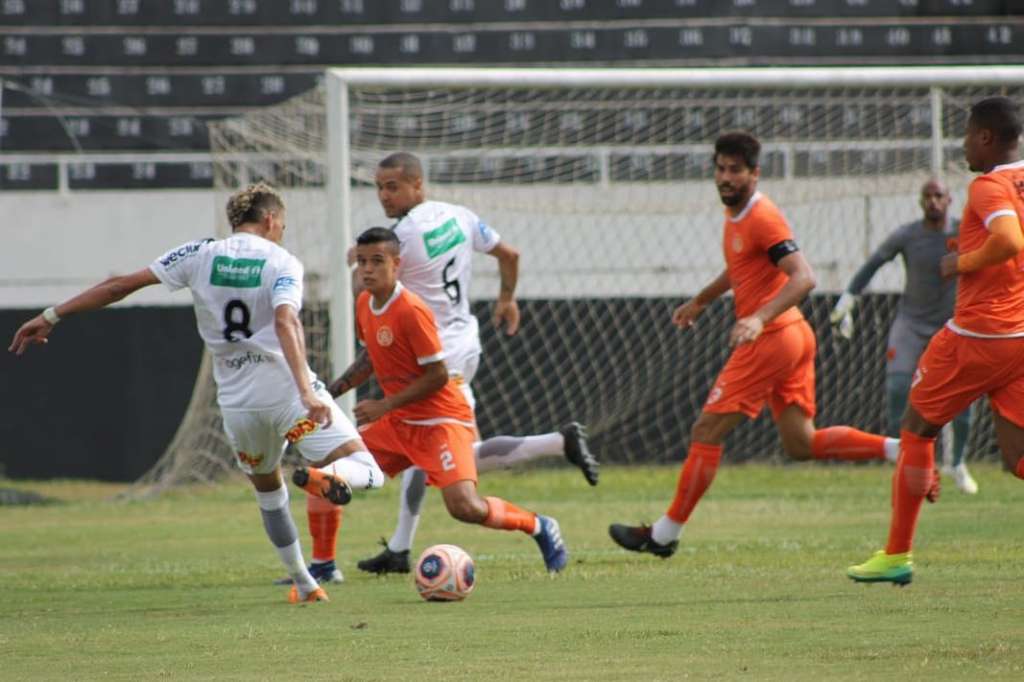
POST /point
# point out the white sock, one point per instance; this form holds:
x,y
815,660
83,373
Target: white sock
x,y
359,470
291,557
665,530
502,452
290,554
409,504
892,449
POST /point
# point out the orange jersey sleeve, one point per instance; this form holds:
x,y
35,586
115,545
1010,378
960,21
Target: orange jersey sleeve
x,y
988,198
420,328
990,301
771,229
748,240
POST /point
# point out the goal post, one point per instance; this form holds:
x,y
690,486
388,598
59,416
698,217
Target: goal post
x,y
602,179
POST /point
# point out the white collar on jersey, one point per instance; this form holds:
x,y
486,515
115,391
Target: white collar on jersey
x,y
384,308
1008,166
754,198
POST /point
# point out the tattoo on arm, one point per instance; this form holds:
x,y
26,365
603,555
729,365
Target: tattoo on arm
x,y
356,375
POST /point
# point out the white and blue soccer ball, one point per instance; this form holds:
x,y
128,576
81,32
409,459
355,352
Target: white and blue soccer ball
x,y
445,573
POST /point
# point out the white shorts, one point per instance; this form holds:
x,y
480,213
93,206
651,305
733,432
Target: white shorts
x,y
462,367
259,437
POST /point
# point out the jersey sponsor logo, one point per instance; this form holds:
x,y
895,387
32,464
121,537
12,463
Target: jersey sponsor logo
x,y
385,337
300,430
737,243
241,273
252,461
190,249
284,283
443,239
246,358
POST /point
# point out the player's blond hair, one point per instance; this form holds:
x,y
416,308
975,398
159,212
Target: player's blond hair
x,y
249,205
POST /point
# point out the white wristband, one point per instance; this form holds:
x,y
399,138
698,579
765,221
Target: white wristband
x,y
51,316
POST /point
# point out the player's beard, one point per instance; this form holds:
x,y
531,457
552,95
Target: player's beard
x,y
738,196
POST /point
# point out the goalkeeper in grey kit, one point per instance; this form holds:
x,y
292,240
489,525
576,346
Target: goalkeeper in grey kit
x,y
927,302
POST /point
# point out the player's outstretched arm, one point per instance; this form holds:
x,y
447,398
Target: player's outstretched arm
x,y
841,316
357,374
288,328
99,296
1005,241
506,310
684,315
801,281
433,379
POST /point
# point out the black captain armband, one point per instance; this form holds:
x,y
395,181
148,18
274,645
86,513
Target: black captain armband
x,y
779,251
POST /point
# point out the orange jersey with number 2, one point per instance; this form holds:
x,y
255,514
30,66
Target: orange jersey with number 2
x,y
400,338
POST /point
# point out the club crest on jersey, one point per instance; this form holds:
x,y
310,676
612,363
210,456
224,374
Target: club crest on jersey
x,y
737,243
252,461
715,395
300,430
385,337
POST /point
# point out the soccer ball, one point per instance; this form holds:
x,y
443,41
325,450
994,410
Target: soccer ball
x,y
445,573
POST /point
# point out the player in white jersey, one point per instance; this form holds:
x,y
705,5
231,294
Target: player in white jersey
x,y
438,241
247,292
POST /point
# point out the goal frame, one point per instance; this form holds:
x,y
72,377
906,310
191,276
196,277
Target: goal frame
x,y
339,80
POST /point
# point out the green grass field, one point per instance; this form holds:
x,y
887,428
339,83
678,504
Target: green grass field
x,y
178,587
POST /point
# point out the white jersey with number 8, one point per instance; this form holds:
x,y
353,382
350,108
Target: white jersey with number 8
x,y
438,241
236,284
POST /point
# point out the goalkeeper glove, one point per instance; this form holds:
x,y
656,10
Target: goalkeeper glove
x,y
842,315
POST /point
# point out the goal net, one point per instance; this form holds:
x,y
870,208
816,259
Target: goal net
x,y
602,180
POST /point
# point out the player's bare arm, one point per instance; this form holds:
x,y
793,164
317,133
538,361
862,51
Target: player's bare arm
x,y
99,296
1005,241
433,379
685,315
288,328
358,373
801,282
506,310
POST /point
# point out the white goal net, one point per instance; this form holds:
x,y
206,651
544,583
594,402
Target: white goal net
x,y
602,179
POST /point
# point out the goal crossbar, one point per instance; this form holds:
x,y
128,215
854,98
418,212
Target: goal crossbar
x,y
766,78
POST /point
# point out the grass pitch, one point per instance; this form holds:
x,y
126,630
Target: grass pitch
x,y
178,587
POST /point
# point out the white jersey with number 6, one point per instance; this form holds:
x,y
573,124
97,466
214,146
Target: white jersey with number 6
x,y
438,241
236,284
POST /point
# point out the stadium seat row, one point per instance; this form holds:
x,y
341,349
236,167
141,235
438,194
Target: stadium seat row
x,y
388,12
809,42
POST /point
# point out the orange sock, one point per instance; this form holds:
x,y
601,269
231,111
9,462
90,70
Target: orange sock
x,y
504,515
846,443
911,482
1019,471
697,474
324,520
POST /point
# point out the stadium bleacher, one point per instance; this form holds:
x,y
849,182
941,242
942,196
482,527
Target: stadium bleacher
x,y
88,83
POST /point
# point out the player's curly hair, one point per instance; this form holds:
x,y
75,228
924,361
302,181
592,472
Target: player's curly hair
x,y
739,143
251,204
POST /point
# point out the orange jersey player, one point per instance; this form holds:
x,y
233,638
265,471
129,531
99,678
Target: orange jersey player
x,y
424,420
981,350
772,362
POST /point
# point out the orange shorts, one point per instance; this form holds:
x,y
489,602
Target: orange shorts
x,y
444,451
777,368
955,370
